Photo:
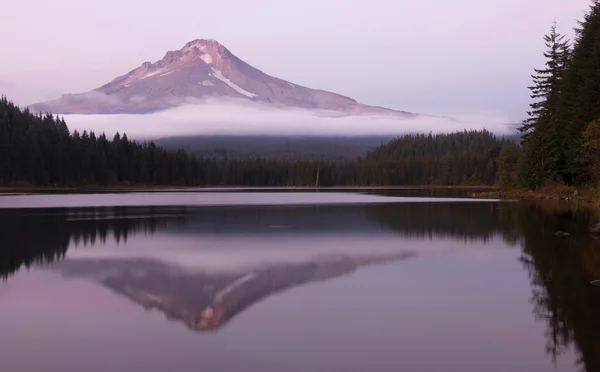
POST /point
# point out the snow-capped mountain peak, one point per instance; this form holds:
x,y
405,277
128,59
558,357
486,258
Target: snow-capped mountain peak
x,y
202,68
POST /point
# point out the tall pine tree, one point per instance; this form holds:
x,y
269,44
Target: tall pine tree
x,y
580,97
541,132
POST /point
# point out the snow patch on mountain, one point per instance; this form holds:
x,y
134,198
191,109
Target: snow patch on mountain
x,y
153,73
219,75
206,58
165,74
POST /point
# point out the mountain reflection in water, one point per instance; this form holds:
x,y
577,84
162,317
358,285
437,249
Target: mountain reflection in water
x,y
559,269
207,301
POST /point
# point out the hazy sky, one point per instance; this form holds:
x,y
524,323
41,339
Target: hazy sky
x,y
459,57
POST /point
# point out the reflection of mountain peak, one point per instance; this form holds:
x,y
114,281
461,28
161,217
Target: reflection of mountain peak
x,y
203,301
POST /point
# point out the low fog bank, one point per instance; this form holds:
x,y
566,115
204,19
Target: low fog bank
x,y
226,118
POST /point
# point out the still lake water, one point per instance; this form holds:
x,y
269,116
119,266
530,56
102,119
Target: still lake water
x,y
295,281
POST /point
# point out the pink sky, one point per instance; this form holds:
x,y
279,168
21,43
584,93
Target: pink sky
x,y
431,56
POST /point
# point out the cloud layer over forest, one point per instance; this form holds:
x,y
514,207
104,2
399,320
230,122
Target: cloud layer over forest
x,y
227,118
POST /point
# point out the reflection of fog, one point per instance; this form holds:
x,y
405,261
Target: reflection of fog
x,y
226,253
277,232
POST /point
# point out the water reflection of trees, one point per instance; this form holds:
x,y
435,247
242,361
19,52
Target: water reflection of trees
x,y
43,236
463,221
560,271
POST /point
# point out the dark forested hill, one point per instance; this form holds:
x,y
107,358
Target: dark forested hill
x,y
428,145
40,150
467,157
275,147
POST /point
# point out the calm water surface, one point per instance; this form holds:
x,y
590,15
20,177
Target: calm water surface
x,y
295,281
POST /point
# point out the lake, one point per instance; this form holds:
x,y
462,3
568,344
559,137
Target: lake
x,y
240,280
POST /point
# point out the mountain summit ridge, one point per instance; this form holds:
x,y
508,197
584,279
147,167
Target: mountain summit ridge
x,y
201,69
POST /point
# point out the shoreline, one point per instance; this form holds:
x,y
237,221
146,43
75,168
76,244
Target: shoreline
x,y
133,188
571,195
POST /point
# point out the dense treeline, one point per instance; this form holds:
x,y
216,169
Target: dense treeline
x,y
39,150
561,137
462,158
467,157
275,147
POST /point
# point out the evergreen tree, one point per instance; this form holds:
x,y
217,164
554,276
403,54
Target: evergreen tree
x,y
580,97
509,163
591,137
541,132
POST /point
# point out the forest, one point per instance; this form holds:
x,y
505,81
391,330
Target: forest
x,y
561,135
275,147
39,150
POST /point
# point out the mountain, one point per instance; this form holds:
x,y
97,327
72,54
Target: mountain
x,y
200,70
